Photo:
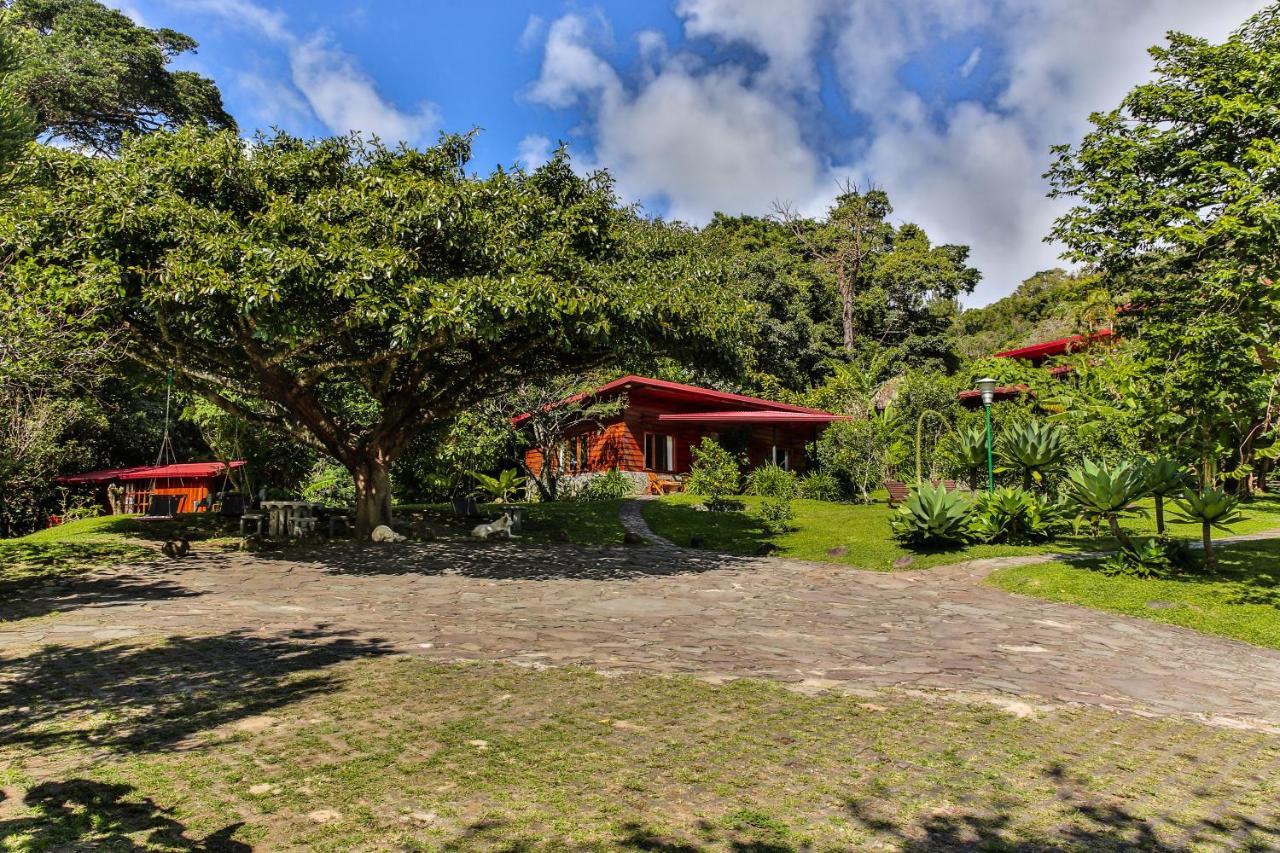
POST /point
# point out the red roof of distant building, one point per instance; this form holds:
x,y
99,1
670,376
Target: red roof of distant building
x,y
150,472
678,390
1002,391
1048,349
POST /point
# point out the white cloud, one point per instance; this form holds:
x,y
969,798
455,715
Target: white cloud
x,y
701,141
345,98
335,89
708,136
533,151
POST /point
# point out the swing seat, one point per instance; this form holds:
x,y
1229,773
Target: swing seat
x,y
232,505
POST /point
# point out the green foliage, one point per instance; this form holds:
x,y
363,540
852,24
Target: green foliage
x,y
770,480
1015,515
1104,492
777,515
820,486
967,450
1163,477
1145,559
1044,307
714,473
17,119
861,451
609,486
1033,449
1175,206
500,488
92,75
932,517
1210,506
329,483
353,295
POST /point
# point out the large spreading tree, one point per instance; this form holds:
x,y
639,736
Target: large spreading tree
x,y
91,75
1178,204
349,295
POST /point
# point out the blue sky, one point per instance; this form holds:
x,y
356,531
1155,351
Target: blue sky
x,y
705,105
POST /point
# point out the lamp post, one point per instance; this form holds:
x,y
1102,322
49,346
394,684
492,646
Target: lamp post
x,y
987,387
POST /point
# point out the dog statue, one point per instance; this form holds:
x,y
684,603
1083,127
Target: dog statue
x,y
502,527
382,533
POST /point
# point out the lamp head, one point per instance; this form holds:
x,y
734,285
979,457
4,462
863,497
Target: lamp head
x,y
987,387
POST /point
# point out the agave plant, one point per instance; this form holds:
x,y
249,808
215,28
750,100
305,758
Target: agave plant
x,y
932,516
1105,492
1163,477
1211,508
970,449
499,488
1012,514
1033,448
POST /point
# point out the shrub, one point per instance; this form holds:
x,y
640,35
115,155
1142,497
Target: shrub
x,y
776,515
610,486
932,516
1105,492
772,481
859,452
1016,515
714,472
1210,508
1146,559
820,486
967,449
1033,448
500,488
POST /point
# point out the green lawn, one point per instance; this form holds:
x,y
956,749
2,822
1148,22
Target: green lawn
x,y
824,529
1241,599
286,744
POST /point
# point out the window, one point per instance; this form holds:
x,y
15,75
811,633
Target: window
x,y
781,457
578,452
659,451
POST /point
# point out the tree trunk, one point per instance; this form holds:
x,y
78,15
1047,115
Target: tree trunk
x,y
373,495
1120,535
1206,537
1160,514
845,284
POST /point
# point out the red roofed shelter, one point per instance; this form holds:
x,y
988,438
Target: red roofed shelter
x,y
191,482
662,421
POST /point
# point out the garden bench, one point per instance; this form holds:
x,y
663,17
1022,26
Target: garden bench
x,y
897,491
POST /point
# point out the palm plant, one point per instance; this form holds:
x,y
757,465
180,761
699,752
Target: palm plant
x,y
970,449
1105,492
1163,477
1034,448
932,516
499,488
1211,508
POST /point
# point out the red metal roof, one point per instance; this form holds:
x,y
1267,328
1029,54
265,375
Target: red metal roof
x,y
679,390
1004,391
765,417
149,472
1036,352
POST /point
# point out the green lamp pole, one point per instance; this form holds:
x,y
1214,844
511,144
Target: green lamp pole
x,y
987,387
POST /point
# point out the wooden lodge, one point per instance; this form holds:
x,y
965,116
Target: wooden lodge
x,y
661,422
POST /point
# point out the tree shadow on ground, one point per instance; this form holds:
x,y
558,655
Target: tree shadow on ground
x,y
25,598
128,697
84,814
512,559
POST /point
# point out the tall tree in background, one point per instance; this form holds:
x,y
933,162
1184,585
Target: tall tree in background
x,y
1178,203
350,295
92,75
17,119
854,231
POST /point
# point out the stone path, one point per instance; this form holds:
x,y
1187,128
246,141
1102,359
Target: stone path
x,y
669,610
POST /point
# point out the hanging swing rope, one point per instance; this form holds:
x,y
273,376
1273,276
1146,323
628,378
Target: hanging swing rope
x,y
166,456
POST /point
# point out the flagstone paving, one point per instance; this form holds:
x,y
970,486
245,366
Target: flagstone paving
x,y
663,609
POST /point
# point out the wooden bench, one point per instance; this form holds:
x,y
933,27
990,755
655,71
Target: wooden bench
x,y
897,491
659,486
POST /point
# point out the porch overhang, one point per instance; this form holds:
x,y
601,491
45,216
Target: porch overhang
x,y
758,417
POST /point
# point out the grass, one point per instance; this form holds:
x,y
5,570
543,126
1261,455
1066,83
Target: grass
x,y
1240,599
281,748
858,534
